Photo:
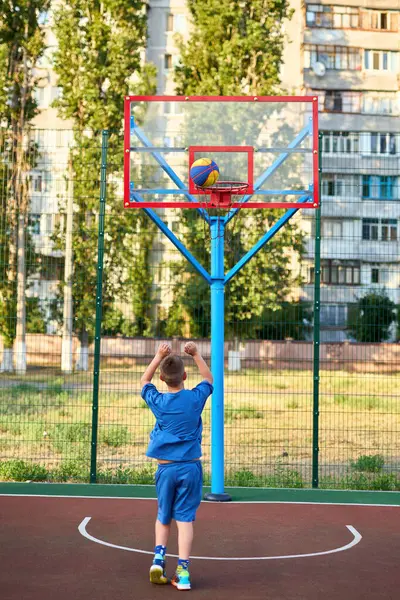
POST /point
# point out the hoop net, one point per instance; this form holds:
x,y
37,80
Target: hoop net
x,y
219,195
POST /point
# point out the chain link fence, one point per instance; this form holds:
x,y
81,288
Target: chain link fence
x,y
70,405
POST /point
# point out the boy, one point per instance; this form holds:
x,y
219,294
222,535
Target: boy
x,y
176,444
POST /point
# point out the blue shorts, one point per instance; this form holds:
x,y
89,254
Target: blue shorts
x,y
179,490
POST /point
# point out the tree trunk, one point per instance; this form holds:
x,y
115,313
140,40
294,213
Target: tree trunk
x,y
6,365
20,339
66,350
82,363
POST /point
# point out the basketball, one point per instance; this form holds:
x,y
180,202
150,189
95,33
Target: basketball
x,y
204,172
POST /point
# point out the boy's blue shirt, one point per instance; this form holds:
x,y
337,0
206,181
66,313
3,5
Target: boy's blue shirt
x,y
178,430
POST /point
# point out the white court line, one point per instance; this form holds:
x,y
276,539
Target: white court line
x,y
357,537
205,501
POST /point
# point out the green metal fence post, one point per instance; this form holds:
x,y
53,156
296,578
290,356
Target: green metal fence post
x,y
316,336
99,300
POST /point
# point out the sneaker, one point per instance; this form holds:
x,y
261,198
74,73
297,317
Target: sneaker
x,y
157,572
181,579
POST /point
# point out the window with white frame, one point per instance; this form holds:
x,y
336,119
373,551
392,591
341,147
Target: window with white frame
x,y
380,274
167,61
333,57
381,60
340,141
332,228
337,272
380,143
333,315
332,185
382,230
176,23
333,17
383,20
380,103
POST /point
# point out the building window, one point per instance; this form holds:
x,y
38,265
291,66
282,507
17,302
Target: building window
x,y
340,141
338,272
336,17
383,103
170,22
379,187
380,60
333,315
339,101
370,229
37,182
389,230
333,57
34,224
167,61
331,228
374,275
332,185
374,19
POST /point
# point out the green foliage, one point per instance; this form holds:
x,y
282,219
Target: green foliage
x,y
21,46
240,53
241,412
371,463
20,470
291,320
141,476
71,470
282,477
114,435
35,316
98,56
233,49
370,321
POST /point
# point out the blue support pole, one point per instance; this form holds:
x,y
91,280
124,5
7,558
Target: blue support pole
x,y
217,360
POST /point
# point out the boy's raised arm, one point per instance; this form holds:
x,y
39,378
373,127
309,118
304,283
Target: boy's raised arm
x,y
191,349
162,352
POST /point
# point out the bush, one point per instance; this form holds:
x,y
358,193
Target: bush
x,y
371,318
369,463
114,435
290,320
19,470
71,470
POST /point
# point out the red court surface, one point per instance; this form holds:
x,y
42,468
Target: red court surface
x,y
44,556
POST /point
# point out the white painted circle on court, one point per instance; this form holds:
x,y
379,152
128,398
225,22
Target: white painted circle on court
x,y
357,537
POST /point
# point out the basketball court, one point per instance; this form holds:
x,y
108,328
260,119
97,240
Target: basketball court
x,y
78,541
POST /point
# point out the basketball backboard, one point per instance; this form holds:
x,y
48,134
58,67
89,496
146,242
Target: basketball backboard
x,y
269,143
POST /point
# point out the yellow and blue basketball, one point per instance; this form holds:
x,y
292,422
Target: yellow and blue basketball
x,y
204,172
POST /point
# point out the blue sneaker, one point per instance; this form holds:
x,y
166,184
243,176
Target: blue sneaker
x,y
181,579
157,571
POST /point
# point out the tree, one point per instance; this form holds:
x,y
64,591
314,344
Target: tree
x,y
21,46
99,55
372,317
234,48
240,53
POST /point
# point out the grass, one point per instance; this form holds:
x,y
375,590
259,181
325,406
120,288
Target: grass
x,y
268,414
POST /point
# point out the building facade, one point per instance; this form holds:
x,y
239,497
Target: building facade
x,y
347,53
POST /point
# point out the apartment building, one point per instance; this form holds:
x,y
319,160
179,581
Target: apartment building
x,y
348,54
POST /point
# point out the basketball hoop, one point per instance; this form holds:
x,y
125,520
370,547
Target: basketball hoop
x,y
221,193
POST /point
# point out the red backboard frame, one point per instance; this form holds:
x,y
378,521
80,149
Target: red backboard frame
x,y
312,100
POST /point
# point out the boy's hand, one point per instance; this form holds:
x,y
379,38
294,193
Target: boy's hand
x,y
164,350
191,348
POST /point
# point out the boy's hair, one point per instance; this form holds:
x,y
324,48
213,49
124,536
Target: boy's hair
x,y
172,370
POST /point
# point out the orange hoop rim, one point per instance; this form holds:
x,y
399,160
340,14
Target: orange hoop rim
x,y
231,187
